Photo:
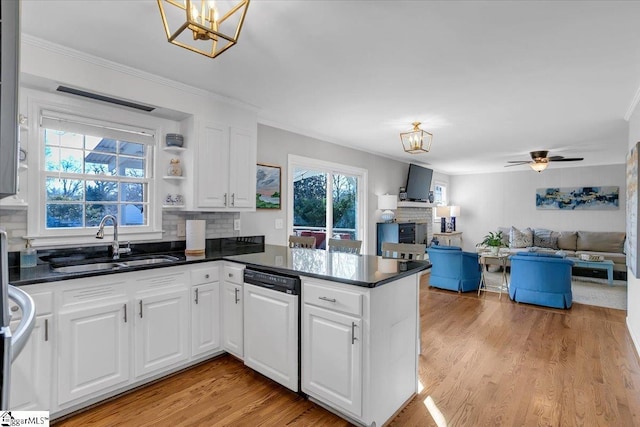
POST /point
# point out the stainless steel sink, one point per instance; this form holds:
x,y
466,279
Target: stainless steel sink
x,y
148,261
115,265
84,268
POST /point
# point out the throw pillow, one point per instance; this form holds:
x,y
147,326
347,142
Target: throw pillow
x,y
520,239
543,238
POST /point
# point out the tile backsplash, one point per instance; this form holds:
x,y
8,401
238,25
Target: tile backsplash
x,y
219,224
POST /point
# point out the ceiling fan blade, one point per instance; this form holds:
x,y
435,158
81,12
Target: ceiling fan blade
x,y
516,164
522,162
555,158
566,159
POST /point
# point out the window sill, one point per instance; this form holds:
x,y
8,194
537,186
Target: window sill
x,y
84,240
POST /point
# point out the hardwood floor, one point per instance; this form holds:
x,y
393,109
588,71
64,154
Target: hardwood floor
x,y
484,362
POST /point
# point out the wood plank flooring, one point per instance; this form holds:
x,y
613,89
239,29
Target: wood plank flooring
x,y
484,362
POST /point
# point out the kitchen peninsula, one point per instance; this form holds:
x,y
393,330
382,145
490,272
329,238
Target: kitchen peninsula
x,y
357,320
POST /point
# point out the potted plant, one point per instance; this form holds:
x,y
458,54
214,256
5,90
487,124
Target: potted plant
x,y
493,241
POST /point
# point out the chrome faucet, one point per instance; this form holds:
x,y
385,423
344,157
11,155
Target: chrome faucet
x,y
115,245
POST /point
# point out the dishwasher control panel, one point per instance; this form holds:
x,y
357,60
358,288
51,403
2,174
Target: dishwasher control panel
x,y
277,282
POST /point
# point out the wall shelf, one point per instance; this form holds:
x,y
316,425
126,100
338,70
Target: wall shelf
x,y
169,177
171,149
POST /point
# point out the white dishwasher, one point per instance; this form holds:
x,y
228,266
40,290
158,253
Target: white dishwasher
x,y
272,326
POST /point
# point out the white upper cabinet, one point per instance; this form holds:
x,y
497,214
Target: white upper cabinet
x,y
224,163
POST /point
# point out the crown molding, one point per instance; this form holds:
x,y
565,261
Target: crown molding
x,y
134,72
633,105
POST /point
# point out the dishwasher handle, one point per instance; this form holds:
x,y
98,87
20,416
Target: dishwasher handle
x,y
20,336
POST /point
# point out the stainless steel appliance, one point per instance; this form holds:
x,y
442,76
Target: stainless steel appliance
x,y
272,326
11,343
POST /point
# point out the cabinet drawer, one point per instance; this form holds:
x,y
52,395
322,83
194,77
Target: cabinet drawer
x,y
334,299
234,274
42,300
205,275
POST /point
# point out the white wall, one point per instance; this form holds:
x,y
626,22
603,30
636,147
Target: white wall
x,y
488,201
633,284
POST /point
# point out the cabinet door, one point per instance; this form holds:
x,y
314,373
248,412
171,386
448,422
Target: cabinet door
x,y
242,174
232,327
212,164
271,334
161,331
93,350
31,370
205,318
332,358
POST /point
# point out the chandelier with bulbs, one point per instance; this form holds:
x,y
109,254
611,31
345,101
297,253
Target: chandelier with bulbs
x,y
206,27
417,140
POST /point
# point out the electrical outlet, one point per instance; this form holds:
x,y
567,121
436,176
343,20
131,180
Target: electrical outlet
x,y
279,224
236,224
181,231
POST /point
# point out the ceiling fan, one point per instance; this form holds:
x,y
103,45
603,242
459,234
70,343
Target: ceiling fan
x,y
540,160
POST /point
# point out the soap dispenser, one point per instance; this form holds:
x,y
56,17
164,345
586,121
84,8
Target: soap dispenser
x,y
28,256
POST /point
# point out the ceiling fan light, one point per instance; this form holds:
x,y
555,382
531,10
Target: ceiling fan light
x,y
539,166
417,140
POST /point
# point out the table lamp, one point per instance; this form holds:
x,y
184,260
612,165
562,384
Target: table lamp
x,y
387,202
443,212
455,211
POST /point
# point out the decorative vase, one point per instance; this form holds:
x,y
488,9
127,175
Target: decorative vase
x,y
431,197
174,168
495,250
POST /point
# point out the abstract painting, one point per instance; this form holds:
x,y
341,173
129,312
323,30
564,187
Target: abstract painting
x,y
268,187
578,198
631,244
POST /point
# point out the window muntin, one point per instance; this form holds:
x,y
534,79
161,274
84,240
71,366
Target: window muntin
x,y
87,176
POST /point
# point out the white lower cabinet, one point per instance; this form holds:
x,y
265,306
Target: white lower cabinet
x,y
93,350
31,371
232,310
232,322
332,358
205,311
359,347
161,330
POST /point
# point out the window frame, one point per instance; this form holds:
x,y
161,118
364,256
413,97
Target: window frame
x,y
444,202
95,114
295,161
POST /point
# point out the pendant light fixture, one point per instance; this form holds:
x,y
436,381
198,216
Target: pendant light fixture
x,y
206,27
417,140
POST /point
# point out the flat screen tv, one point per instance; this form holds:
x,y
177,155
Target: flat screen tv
x,y
418,183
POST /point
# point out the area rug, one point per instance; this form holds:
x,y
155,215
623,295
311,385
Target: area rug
x,y
590,291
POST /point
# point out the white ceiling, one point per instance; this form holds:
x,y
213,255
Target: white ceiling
x,y
491,80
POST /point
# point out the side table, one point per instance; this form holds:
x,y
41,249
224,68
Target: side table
x,y
504,285
447,237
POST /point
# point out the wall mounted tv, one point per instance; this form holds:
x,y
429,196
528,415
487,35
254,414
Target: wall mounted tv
x,y
418,183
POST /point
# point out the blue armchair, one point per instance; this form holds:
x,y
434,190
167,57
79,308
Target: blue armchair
x,y
454,269
541,279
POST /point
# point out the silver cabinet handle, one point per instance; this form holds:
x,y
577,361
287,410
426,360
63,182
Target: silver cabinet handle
x,y
196,295
206,276
237,299
46,329
140,309
125,313
230,274
233,199
353,333
327,299
225,199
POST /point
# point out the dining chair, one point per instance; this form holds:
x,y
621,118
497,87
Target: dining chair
x,y
413,251
345,245
308,242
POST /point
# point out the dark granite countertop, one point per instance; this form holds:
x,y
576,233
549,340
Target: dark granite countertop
x,y
360,270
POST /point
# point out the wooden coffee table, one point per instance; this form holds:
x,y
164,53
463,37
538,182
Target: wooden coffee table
x,y
596,265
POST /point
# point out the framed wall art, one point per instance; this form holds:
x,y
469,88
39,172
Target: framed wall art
x,y
578,198
631,244
268,185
